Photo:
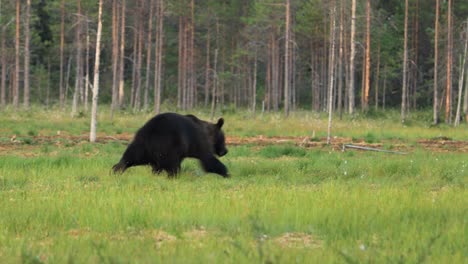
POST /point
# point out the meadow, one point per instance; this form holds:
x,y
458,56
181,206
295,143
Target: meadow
x,y
284,203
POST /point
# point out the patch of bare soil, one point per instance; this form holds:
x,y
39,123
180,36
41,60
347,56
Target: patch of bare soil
x,y
337,143
298,240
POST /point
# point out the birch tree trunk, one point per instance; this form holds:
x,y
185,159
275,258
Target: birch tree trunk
x,y
405,64
122,57
27,54
62,45
115,57
331,70
351,58
340,62
86,79
207,68
92,134
460,80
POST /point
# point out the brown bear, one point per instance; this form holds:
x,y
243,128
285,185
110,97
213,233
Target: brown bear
x,y
168,138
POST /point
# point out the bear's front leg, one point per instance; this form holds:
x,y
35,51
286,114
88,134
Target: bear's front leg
x,y
213,165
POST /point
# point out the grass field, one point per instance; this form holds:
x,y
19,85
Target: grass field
x,y
283,204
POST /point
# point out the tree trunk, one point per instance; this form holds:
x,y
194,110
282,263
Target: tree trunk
x,y
215,84
86,85
79,65
17,57
449,61
351,58
207,68
115,57
215,68
331,70
122,57
254,85
137,105
158,54
460,80
62,45
340,62
27,54
92,134
286,62
436,65
67,78
377,75
180,80
135,54
48,84
416,52
405,64
4,70
368,62
148,56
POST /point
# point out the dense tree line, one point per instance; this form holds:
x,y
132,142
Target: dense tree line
x,y
273,55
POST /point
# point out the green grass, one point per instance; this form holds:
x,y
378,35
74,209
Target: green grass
x,y
60,203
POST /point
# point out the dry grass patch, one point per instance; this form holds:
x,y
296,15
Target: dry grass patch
x,y
298,240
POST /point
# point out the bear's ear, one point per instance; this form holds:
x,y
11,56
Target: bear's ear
x,y
220,123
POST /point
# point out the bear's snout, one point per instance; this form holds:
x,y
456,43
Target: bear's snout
x,y
223,152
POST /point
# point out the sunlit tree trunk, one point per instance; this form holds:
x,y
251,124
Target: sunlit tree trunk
x,y
368,62
92,134
17,57
405,65
351,89
27,54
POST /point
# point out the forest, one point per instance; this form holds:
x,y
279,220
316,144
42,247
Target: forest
x,y
264,55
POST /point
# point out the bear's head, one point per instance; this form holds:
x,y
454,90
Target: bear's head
x,y
219,141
